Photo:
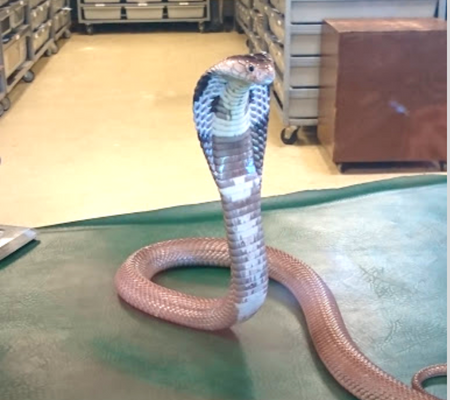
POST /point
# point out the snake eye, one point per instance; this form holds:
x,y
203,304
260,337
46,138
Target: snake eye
x,y
251,68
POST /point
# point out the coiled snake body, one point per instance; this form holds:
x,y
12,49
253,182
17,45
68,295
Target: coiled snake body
x,y
231,109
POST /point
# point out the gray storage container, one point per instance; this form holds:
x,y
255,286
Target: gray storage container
x,y
102,12
261,5
280,5
243,15
303,103
39,15
58,5
5,20
57,21
61,19
41,36
258,24
35,3
17,13
315,11
186,10
305,71
144,11
246,3
15,54
305,39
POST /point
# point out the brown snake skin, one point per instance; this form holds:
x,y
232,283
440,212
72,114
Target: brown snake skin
x,y
227,130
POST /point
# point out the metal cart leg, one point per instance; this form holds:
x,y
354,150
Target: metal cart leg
x,y
6,103
89,29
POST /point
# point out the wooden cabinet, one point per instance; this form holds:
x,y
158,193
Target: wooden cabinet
x,y
384,90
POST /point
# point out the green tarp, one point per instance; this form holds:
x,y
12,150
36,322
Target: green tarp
x,y
381,247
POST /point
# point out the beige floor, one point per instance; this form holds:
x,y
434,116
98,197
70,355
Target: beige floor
x,y
106,128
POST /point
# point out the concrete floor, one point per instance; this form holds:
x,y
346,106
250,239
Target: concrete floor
x,y
106,128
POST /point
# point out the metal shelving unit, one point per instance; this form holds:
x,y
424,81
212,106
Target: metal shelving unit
x,y
27,32
15,61
290,30
94,12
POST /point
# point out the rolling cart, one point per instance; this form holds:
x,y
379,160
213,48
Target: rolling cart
x,y
29,29
15,61
290,30
94,12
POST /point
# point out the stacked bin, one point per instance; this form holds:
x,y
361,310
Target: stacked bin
x,y
61,19
92,12
41,26
293,38
14,57
27,30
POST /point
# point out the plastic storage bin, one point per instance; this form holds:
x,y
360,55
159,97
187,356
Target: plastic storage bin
x,y
35,3
144,11
308,11
5,20
258,24
305,71
261,5
279,5
305,39
247,3
57,5
15,54
186,10
61,20
303,103
102,12
17,13
243,15
41,36
39,15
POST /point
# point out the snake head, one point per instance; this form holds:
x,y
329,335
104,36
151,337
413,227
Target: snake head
x,y
248,68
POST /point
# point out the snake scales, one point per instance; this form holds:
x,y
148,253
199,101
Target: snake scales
x,y
231,108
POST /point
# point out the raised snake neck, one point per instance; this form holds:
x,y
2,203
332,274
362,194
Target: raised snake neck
x,y
231,153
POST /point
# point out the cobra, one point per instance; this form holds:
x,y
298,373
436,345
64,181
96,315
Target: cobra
x,y
231,114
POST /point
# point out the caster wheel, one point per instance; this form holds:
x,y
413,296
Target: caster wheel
x,y
28,77
89,29
215,27
55,49
48,53
67,34
2,110
443,166
289,139
201,27
342,167
6,103
239,29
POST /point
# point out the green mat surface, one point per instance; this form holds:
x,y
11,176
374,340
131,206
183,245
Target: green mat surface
x,y
381,247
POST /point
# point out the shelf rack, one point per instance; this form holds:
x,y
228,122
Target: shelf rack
x,y
29,30
94,12
290,30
